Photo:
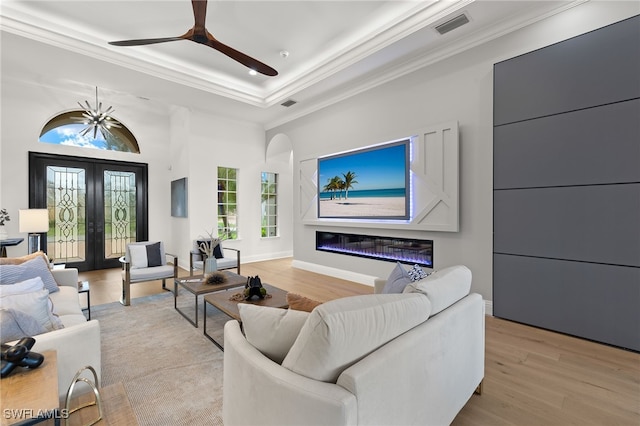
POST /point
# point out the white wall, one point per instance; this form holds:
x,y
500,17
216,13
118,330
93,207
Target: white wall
x,y
458,88
175,143
25,110
216,141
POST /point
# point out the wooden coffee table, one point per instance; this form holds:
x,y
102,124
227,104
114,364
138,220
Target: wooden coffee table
x,y
197,286
222,301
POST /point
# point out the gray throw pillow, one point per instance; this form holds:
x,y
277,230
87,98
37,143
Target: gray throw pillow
x,y
15,325
397,281
153,255
37,267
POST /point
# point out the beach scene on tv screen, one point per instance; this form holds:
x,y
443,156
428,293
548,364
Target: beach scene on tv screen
x,y
368,184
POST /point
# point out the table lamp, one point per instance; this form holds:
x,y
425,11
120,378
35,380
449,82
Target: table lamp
x,y
34,221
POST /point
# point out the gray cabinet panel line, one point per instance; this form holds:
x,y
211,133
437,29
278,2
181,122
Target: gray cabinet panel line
x,y
595,68
591,146
599,224
597,302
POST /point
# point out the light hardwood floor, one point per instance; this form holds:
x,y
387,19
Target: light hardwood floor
x,y
532,376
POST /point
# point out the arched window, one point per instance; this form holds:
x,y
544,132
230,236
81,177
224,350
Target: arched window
x,y
64,129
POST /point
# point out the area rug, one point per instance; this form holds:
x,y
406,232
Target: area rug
x,y
172,373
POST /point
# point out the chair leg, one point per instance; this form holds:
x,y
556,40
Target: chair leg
x,y
126,293
478,390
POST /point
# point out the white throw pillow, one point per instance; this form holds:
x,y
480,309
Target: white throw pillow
x,y
138,254
341,332
35,304
444,287
26,286
271,330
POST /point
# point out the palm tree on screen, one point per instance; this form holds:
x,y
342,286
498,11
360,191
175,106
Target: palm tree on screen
x,y
349,180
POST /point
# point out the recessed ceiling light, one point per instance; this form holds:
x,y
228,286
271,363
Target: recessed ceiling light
x,y
253,72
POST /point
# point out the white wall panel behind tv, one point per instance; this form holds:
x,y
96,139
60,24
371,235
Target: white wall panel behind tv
x,y
435,185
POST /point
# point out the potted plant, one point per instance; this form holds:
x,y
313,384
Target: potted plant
x,y
207,247
4,217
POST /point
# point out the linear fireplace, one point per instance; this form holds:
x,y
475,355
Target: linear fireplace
x,y
403,250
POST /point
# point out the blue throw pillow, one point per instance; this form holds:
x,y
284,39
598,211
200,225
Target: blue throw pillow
x,y
36,267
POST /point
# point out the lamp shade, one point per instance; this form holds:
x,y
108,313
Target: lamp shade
x,y
34,220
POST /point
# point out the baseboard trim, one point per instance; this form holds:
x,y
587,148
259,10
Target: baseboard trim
x,y
488,307
270,256
334,272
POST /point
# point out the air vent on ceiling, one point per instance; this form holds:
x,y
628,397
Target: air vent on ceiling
x,y
452,24
288,103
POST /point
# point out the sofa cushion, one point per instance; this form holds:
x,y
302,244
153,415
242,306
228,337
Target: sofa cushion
x,y
66,302
397,281
301,303
15,325
148,274
36,267
339,333
35,304
271,330
444,287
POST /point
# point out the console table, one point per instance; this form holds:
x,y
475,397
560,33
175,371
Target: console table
x,y
9,242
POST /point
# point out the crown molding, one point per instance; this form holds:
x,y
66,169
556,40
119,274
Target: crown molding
x,y
421,61
19,19
160,68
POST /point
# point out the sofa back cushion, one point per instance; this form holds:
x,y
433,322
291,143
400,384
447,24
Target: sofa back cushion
x,y
271,330
444,287
339,333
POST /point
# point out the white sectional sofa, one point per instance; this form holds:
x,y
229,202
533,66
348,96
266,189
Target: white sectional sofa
x,y
379,359
78,343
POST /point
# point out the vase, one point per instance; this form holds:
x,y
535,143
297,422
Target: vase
x,y
210,265
3,233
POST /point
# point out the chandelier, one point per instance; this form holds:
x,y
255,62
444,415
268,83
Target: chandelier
x,y
95,119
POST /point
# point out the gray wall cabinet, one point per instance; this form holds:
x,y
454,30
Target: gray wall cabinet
x,y
567,186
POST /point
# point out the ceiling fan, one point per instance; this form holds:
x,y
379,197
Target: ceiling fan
x,y
199,34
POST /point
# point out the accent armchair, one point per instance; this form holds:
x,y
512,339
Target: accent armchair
x,y
228,260
146,261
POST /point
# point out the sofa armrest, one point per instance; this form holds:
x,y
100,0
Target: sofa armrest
x,y
284,397
67,277
378,285
433,368
76,346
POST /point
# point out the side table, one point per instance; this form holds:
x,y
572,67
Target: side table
x,y
83,287
31,396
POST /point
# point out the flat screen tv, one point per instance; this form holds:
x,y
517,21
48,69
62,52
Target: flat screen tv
x,y
368,183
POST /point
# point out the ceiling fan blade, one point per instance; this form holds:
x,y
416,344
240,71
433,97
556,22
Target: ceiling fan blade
x,y
144,41
244,59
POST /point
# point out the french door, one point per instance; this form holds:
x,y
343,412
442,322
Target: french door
x,y
96,207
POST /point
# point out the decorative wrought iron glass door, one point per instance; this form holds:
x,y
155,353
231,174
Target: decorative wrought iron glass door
x,y
96,207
